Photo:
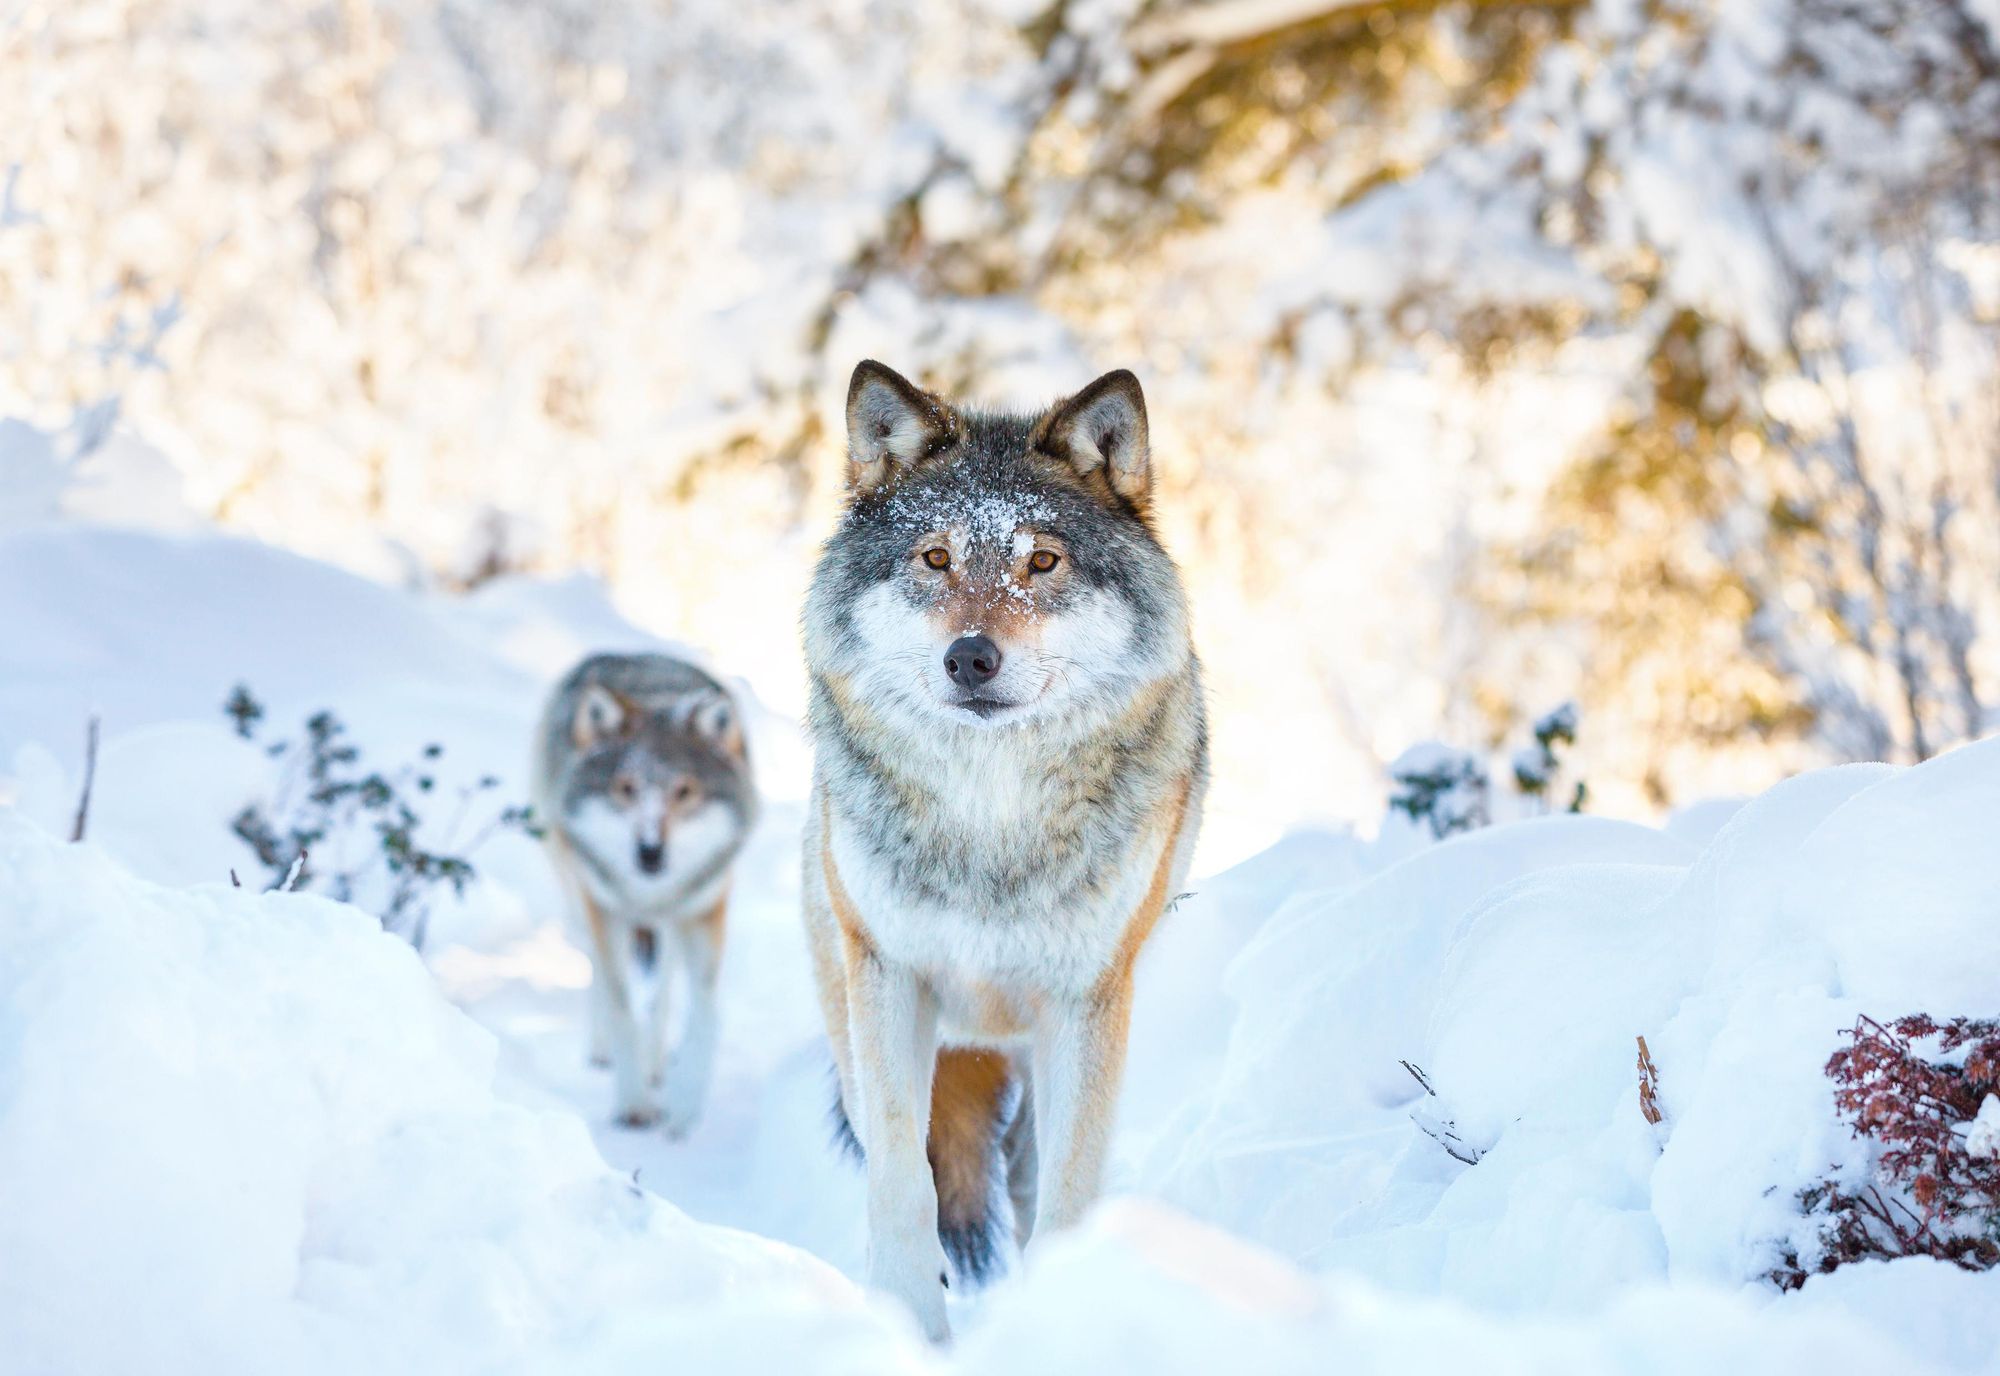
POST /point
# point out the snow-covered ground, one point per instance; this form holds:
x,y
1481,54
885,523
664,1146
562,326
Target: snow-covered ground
x,y
245,1131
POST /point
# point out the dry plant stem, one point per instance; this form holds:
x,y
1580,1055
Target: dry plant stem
x,y
89,777
1649,1086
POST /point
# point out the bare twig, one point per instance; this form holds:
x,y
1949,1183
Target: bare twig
x,y
1442,1131
1456,1147
89,777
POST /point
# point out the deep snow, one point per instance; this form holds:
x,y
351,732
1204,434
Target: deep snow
x,y
251,1132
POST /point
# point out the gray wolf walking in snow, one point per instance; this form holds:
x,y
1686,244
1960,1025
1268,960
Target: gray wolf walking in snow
x,y
1010,757
642,780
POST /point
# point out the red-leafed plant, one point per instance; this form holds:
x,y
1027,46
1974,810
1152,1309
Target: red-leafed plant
x,y
1914,1088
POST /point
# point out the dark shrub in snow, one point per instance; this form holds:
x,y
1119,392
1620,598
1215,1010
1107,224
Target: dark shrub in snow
x,y
325,798
1927,1095
1451,790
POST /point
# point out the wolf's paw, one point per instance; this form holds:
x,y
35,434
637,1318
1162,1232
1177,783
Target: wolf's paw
x,y
916,1276
681,1105
635,1115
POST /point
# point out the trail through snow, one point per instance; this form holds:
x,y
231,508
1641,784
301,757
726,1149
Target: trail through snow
x,y
761,1158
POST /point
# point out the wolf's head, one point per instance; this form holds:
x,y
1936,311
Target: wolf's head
x,y
995,569
658,794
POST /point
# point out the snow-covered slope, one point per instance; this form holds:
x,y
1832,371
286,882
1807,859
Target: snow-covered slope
x,y
243,1132
248,1132
1516,968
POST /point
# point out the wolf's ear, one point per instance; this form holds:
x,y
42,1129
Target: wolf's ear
x,y
892,425
600,715
715,720
1103,429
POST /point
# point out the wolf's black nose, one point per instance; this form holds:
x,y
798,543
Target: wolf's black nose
x,y
651,858
972,660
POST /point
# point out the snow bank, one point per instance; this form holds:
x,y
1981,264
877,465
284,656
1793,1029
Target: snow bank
x,y
1516,967
144,627
245,1133
1144,1290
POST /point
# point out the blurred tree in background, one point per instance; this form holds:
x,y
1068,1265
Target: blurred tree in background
x,y
1637,350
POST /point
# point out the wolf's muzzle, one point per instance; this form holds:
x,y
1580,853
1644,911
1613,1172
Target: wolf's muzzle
x,y
972,661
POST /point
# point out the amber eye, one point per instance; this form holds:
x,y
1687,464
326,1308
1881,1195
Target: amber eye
x,y
1042,560
624,790
938,557
683,792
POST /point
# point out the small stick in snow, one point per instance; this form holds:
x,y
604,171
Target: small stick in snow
x,y
1443,1131
1444,1134
1649,1086
291,878
234,882
89,776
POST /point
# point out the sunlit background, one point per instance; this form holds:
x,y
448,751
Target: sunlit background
x,y
1641,354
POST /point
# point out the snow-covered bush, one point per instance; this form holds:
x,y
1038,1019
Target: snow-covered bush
x,y
325,800
1927,1095
1450,790
1442,787
1537,766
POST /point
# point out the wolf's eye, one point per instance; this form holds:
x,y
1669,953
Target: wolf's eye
x,y
624,790
1042,560
938,557
683,792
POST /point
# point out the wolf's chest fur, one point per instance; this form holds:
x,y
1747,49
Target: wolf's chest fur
x,y
1001,862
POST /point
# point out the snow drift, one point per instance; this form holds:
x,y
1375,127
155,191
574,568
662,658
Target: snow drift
x,y
1516,968
243,1132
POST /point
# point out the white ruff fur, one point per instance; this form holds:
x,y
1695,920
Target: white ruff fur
x,y
611,837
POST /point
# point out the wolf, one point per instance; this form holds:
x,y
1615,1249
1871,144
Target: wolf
x,y
1010,757
642,782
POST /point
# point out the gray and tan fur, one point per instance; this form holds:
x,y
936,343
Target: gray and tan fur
x,y
642,781
1010,760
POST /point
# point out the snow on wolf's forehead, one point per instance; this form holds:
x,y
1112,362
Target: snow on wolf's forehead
x,y
985,517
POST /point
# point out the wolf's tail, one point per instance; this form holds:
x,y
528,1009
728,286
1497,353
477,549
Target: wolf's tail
x,y
981,1152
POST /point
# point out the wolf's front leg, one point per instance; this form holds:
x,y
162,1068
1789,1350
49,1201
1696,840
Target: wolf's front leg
x,y
699,946
894,1028
632,1101
581,908
1079,1057
600,1013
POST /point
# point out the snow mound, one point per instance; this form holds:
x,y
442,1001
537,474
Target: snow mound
x,y
245,1133
145,627
1144,1290
1509,1164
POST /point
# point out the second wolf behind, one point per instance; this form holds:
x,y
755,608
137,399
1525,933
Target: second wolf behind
x,y
642,780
